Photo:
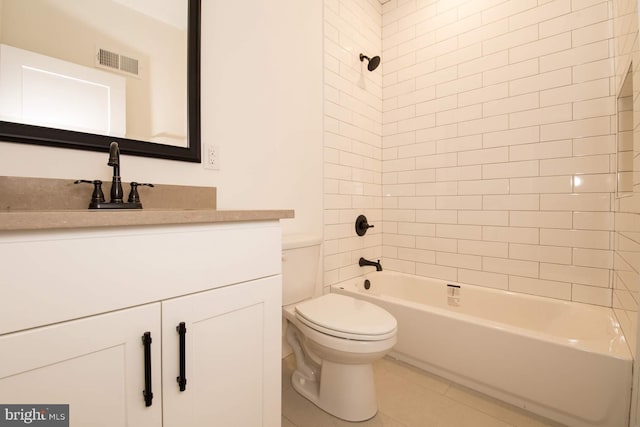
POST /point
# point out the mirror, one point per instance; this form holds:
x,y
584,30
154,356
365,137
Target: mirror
x,y
80,74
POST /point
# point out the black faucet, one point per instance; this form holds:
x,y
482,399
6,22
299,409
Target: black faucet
x,y
363,262
116,182
116,202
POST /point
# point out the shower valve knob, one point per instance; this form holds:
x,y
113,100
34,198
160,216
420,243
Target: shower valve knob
x,y
362,225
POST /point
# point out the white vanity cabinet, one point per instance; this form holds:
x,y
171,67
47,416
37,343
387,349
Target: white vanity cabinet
x,y
229,353
76,304
96,365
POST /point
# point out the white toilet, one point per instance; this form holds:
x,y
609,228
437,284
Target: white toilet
x,y
335,338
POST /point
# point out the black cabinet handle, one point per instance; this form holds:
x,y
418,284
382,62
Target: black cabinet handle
x,y
147,393
182,379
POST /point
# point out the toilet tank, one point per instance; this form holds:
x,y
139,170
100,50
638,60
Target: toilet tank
x,y
300,263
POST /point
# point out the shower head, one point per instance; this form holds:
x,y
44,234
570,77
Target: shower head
x,y
373,62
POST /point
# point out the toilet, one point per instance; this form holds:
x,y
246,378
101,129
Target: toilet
x,y
335,338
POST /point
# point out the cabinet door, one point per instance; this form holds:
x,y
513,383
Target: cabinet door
x,y
96,365
233,352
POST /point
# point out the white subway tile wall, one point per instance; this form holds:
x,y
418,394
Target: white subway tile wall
x,y
484,146
626,254
516,114
353,140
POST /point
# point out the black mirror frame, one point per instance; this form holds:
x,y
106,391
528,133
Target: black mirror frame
x,y
29,134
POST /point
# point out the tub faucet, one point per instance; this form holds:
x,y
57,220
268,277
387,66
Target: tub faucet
x,y
363,262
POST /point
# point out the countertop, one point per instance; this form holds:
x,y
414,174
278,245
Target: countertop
x,y
67,219
47,204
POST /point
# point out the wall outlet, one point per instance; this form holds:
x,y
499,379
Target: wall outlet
x,y
211,157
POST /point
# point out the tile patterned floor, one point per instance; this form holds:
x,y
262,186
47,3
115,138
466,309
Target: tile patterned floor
x,y
409,397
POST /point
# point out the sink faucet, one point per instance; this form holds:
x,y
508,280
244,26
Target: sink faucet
x,y
117,201
116,182
363,262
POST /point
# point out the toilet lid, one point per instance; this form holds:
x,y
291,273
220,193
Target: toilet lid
x,y
347,317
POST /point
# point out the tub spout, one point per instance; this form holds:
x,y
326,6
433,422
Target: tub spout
x,y
364,262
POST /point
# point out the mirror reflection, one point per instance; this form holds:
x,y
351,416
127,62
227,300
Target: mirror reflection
x,y
106,67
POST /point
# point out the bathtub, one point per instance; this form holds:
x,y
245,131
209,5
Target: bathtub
x,y
565,361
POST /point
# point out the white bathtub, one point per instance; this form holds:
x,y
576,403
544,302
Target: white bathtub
x,y
565,361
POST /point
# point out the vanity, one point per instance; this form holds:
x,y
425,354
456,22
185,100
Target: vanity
x,y
166,316
159,317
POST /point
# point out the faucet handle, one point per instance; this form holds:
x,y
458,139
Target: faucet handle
x,y
362,225
134,197
97,196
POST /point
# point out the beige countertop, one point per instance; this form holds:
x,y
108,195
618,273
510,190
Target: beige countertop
x,y
67,219
47,204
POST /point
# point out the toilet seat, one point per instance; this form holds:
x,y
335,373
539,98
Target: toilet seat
x,y
346,317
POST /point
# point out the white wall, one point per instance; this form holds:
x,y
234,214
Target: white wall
x,y
261,104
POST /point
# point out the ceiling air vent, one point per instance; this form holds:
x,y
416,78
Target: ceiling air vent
x,y
117,62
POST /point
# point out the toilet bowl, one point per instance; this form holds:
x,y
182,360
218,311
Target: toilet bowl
x,y
335,339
